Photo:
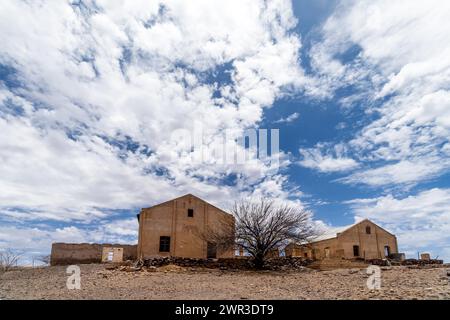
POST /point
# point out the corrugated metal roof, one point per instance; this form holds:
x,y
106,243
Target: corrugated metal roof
x,y
332,232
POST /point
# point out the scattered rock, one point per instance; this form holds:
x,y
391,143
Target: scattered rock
x,y
171,268
152,269
111,267
134,269
129,268
281,263
205,283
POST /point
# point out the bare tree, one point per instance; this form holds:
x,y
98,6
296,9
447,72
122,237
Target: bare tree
x,y
45,259
261,227
8,259
221,234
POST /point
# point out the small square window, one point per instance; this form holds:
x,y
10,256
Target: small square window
x,y
190,213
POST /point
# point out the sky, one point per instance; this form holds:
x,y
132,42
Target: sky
x,y
96,97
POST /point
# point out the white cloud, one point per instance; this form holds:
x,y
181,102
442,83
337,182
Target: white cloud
x,y
102,86
400,71
331,161
421,221
405,172
290,118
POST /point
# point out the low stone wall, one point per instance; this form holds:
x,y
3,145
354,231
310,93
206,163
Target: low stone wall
x,y
281,263
406,262
81,253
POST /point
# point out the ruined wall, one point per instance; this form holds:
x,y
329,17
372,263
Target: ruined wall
x,y
171,219
80,253
329,248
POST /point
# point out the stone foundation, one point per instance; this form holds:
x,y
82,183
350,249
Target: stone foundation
x,y
281,263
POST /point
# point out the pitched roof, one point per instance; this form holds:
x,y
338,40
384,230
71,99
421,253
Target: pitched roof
x,y
333,232
188,194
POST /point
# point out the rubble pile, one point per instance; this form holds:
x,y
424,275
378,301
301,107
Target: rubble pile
x,y
406,262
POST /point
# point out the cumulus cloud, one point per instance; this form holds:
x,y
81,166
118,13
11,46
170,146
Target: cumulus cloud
x,y
327,161
407,172
93,93
102,86
421,221
397,63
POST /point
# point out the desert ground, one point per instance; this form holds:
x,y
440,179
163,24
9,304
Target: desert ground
x,y
173,282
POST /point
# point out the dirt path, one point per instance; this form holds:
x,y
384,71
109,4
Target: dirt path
x,y
99,283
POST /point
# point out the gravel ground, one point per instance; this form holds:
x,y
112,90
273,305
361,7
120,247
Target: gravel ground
x,y
173,282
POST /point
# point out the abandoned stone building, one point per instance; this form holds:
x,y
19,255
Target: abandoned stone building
x,y
364,240
175,228
178,227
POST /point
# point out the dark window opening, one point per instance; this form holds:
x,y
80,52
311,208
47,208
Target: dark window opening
x,y
306,254
368,231
164,244
190,213
356,251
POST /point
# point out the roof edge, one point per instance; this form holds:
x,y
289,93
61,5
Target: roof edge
x,y
185,195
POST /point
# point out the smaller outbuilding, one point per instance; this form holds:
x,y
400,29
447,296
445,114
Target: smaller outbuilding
x,y
362,240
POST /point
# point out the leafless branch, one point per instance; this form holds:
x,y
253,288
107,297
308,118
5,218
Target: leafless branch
x,y
261,227
8,259
45,259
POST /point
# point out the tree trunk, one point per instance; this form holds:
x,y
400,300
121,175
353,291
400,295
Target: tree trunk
x,y
259,261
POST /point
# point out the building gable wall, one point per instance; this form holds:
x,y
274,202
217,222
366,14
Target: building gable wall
x,y
171,219
371,246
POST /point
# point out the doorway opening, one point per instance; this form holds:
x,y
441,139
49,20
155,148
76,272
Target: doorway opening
x,y
211,250
356,251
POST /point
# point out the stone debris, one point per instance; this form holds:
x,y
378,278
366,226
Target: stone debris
x,y
406,262
152,269
111,267
281,264
171,282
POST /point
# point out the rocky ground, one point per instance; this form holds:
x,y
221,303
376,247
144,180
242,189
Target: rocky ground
x,y
173,282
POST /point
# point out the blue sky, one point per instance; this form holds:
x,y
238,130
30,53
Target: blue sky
x,y
96,98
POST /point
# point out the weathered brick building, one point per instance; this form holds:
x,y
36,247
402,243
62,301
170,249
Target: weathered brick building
x,y
178,227
364,240
175,228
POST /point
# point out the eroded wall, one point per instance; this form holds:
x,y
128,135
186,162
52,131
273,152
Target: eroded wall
x,y
80,253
